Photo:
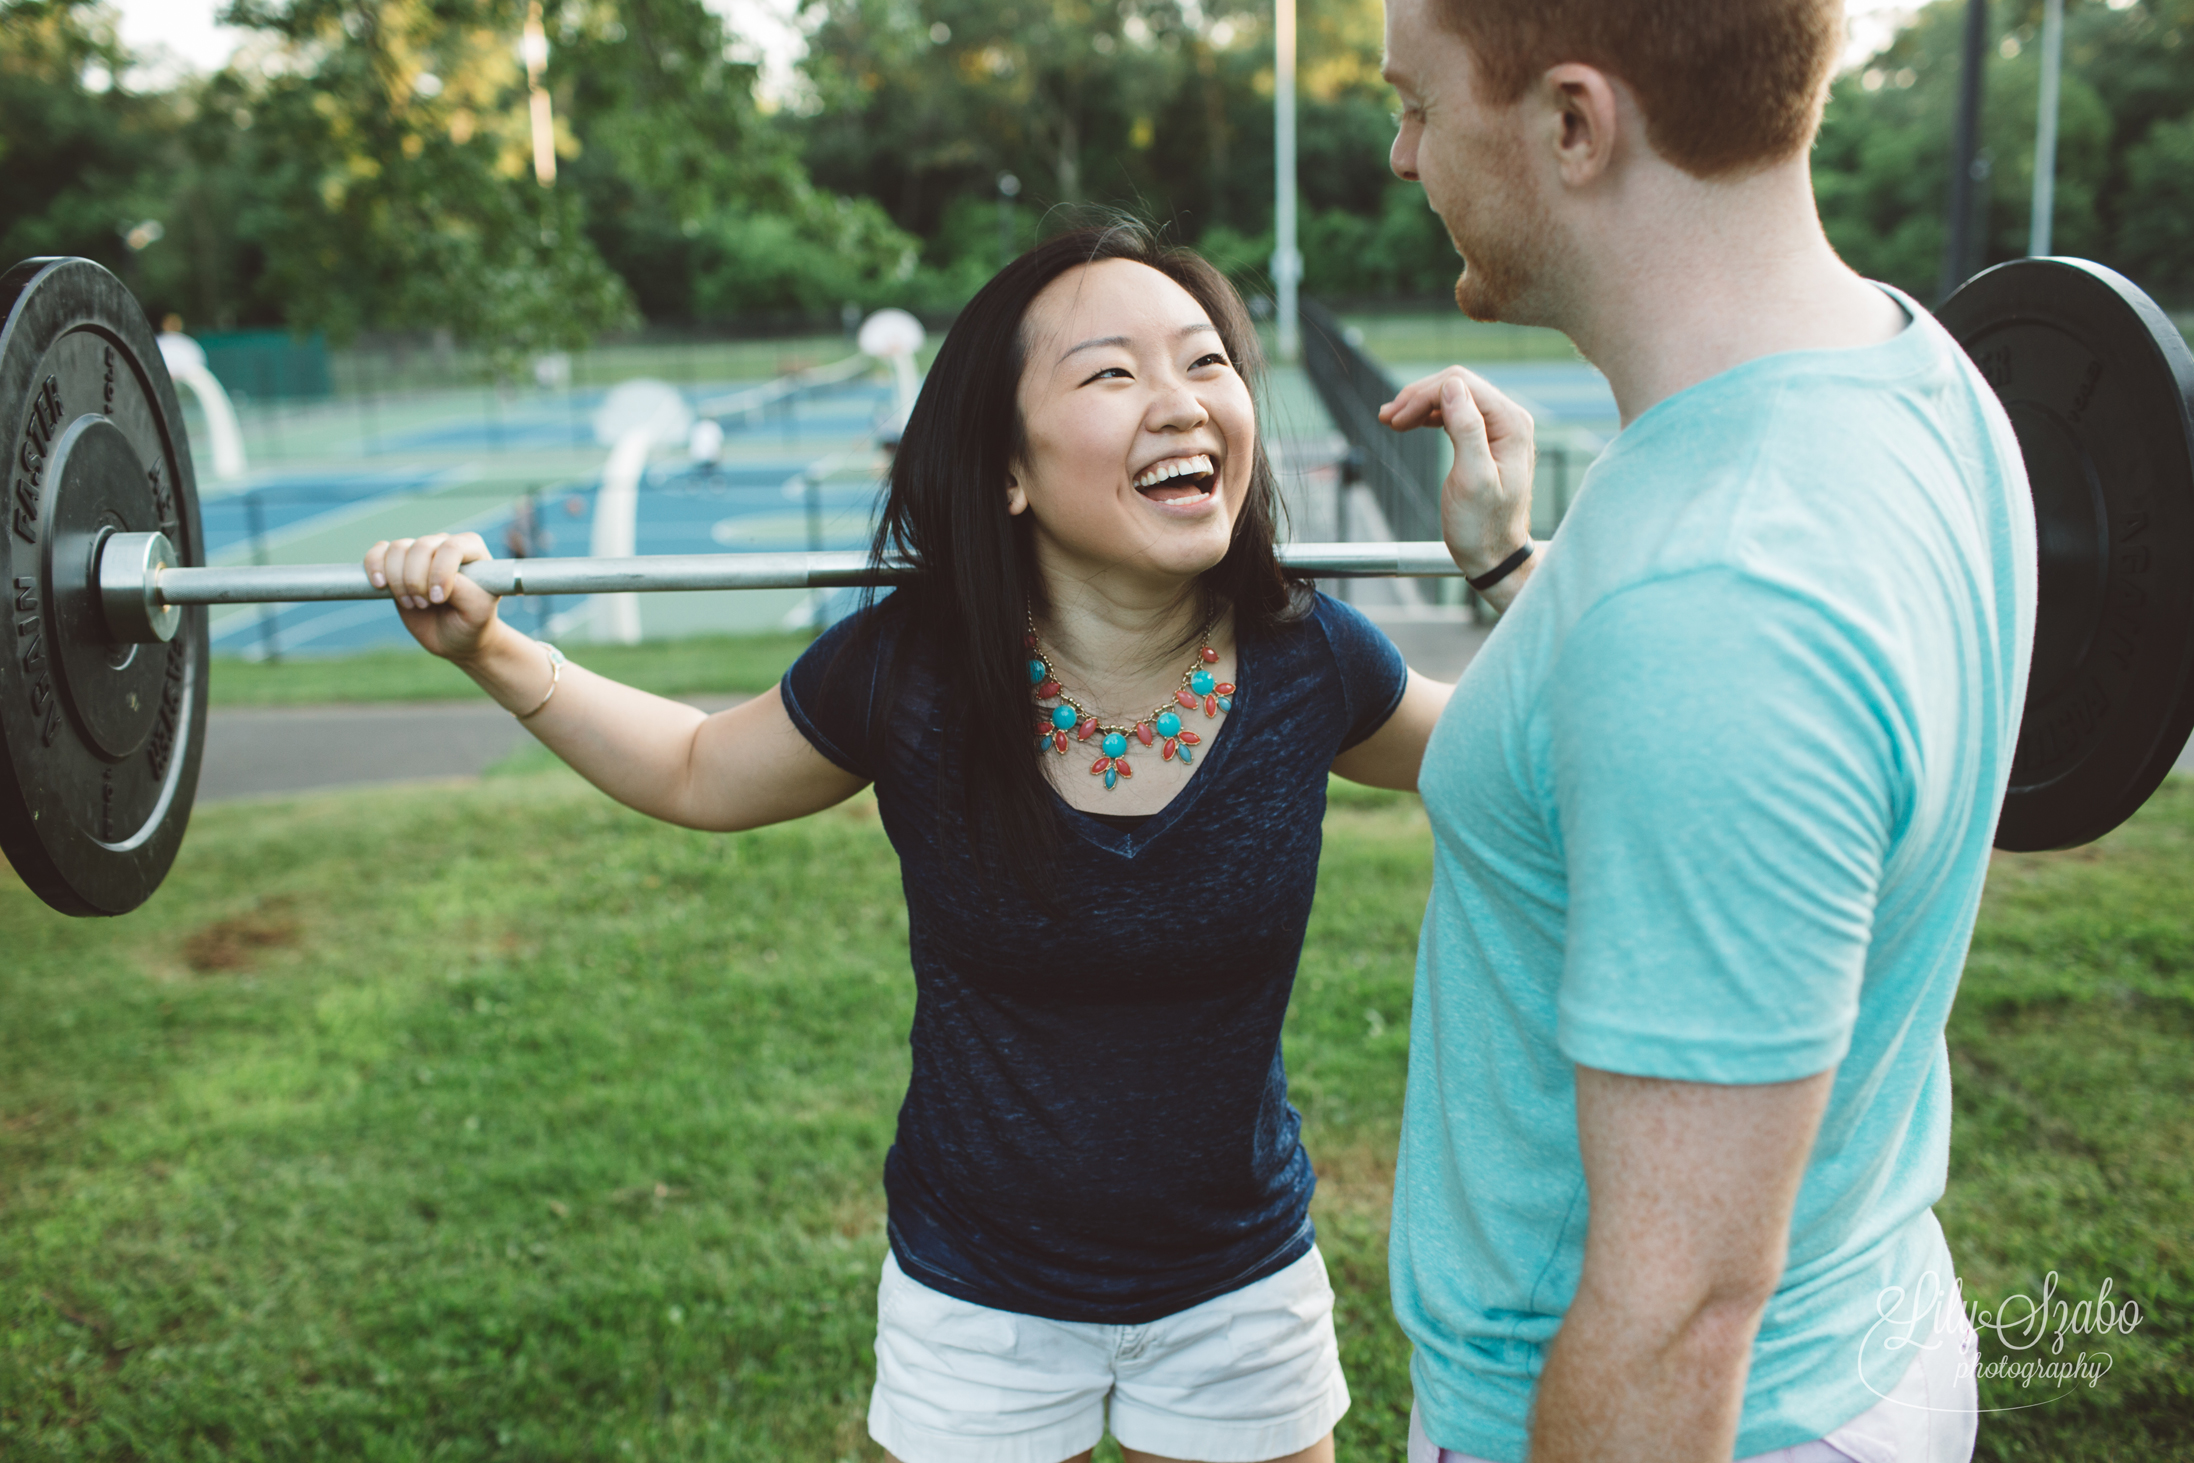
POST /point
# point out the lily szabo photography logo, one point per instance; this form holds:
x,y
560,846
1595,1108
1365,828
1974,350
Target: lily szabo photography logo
x,y
2052,1343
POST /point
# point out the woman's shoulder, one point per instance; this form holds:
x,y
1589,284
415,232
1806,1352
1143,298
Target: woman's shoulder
x,y
854,654
873,630
1320,626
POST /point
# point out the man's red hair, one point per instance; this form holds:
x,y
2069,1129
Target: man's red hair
x,y
1726,85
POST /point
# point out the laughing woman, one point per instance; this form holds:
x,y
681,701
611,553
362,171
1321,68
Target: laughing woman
x,y
1099,722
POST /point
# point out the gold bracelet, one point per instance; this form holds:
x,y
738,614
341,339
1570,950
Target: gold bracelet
x,y
556,673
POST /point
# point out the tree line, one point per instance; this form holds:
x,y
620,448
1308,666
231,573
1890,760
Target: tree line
x,y
367,164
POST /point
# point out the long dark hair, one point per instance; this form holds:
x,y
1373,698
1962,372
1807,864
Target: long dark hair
x,y
975,569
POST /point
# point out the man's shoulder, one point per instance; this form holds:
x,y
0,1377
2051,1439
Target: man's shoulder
x,y
1804,414
1839,470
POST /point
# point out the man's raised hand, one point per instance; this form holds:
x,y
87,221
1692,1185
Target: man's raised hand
x,y
1485,503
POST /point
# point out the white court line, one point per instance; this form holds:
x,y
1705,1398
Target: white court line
x,y
454,477
243,617
756,397
324,623
819,469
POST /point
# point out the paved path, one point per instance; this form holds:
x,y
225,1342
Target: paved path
x,y
269,751
272,751
1434,641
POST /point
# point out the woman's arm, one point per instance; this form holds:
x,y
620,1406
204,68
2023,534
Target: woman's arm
x,y
738,769
1390,756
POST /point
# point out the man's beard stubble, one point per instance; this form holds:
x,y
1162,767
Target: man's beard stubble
x,y
1510,245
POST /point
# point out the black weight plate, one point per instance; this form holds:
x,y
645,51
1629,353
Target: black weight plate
x,y
99,741
2099,386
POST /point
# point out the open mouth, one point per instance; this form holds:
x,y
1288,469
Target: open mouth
x,y
1178,479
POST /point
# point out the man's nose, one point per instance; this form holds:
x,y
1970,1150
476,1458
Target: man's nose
x,y
1402,156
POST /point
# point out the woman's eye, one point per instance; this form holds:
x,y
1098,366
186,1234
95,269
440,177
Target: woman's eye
x,y
1216,358
1117,373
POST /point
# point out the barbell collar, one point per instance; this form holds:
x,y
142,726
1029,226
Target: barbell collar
x,y
130,565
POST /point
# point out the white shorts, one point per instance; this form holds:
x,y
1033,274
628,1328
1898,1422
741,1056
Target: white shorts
x,y
1932,1415
1247,1376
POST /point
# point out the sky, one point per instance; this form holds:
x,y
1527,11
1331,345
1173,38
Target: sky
x,y
181,34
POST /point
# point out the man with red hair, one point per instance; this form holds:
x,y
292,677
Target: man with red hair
x,y
1712,808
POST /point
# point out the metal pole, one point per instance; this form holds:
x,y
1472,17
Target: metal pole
x,y
2045,130
256,521
533,50
1349,471
368,424
1009,188
1287,260
1965,150
657,573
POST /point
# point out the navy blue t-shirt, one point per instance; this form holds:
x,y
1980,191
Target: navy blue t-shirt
x,y
1098,1128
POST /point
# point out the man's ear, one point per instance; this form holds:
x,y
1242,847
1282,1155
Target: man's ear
x,y
1016,495
1586,114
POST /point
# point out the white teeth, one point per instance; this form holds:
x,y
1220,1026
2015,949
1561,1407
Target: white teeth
x,y
1173,467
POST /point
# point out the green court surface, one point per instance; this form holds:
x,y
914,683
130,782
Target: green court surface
x,y
1439,332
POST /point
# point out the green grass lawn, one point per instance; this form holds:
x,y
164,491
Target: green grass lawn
x,y
696,665
498,1122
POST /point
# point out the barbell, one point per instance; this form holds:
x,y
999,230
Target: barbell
x,y
103,679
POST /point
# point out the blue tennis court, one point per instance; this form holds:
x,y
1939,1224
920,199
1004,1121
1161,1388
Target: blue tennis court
x,y
797,474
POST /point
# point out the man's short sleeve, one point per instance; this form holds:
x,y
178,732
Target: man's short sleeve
x,y
830,693
1726,787
1373,673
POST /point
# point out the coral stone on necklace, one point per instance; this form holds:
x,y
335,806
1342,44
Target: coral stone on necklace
x,y
1071,721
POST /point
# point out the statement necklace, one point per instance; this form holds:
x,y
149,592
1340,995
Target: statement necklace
x,y
1070,718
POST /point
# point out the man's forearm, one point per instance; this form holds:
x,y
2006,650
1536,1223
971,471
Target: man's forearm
x,y
1629,1386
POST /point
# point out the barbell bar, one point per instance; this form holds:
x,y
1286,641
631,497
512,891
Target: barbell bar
x,y
105,656
142,586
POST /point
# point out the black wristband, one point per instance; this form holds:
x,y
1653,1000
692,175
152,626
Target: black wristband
x,y
1501,571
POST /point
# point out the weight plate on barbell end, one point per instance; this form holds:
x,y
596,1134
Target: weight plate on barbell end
x,y
100,740
2099,386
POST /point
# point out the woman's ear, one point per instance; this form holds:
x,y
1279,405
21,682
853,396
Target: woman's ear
x,y
1016,496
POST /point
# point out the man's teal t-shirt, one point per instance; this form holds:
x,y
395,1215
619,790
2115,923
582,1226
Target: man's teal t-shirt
x,y
1714,804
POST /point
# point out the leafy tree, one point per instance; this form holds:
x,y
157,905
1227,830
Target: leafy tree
x,y
396,144
79,156
917,104
1882,165
2156,240
1146,104
696,199
367,164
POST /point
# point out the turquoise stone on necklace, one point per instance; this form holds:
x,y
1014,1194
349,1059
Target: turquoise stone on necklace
x,y
1071,720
